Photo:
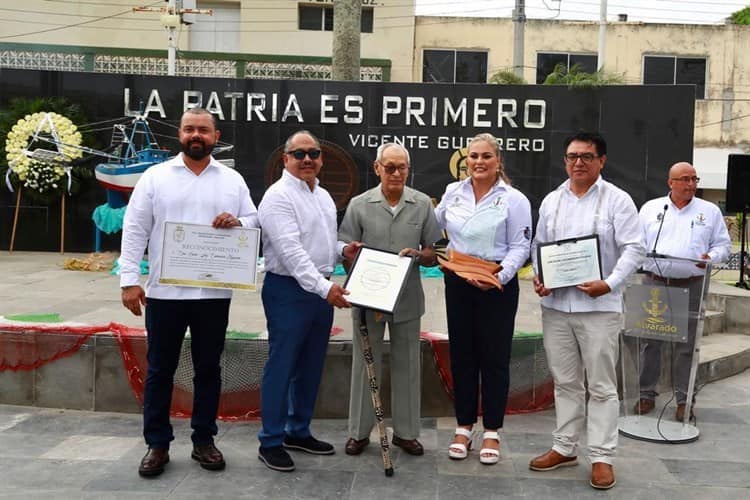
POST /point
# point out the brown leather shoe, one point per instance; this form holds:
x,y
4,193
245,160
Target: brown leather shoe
x,y
551,461
153,462
410,446
602,476
679,415
644,406
356,446
209,456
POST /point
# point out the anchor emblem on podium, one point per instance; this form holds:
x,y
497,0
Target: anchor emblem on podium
x,y
655,308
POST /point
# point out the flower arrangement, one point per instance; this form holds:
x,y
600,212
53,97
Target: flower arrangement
x,y
45,173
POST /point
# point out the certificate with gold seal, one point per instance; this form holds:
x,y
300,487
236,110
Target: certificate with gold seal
x,y
569,262
377,279
204,256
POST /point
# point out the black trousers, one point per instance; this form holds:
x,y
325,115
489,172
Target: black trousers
x,y
166,323
480,328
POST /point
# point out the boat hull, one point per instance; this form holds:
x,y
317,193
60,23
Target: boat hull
x,y
123,176
118,177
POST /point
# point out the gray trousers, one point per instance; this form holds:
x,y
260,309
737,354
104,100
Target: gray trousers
x,y
405,377
650,356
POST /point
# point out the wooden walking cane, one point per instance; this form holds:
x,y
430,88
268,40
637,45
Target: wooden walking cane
x,y
364,336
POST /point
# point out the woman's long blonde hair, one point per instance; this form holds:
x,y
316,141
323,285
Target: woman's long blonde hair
x,y
492,141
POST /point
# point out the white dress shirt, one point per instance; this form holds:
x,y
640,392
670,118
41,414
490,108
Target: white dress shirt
x,y
607,211
171,192
299,232
697,228
496,228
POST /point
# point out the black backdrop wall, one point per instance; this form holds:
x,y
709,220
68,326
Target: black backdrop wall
x,y
648,128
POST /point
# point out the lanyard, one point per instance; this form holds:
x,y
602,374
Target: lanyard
x,y
597,210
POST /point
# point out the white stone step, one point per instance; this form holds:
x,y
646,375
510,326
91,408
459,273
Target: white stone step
x,y
723,355
714,322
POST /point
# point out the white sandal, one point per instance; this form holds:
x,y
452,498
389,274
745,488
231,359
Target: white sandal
x,y
459,451
494,455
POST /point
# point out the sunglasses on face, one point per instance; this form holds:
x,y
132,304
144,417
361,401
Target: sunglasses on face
x,y
299,154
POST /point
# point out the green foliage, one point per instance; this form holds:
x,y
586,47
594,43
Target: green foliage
x,y
504,77
574,77
81,175
741,16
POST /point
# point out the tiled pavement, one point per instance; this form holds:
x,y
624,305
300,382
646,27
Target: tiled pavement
x,y
64,454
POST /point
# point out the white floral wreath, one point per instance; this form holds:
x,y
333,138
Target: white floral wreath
x,y
42,172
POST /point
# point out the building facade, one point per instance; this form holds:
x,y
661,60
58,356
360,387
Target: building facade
x,y
283,39
711,57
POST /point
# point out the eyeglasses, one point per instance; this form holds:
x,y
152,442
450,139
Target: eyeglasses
x,y
586,158
299,154
686,178
391,169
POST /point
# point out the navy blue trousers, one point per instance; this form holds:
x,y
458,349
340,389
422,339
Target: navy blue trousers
x,y
166,323
299,326
480,329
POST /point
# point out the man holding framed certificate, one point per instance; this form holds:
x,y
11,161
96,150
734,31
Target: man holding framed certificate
x,y
393,218
298,218
588,241
190,202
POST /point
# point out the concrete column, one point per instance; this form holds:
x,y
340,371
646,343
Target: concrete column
x,y
346,39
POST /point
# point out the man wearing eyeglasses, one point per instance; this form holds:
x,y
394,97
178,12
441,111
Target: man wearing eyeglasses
x,y
395,218
581,323
298,219
678,225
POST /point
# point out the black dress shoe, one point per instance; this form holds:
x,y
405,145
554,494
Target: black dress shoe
x,y
309,445
209,456
410,446
276,458
356,446
153,462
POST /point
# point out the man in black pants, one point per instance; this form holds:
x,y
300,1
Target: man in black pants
x,y
191,188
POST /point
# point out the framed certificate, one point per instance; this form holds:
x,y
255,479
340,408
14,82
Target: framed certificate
x,y
377,279
569,262
203,256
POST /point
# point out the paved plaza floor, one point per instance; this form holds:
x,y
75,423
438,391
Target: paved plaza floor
x,y
65,454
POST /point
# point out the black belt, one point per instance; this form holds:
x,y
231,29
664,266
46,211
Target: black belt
x,y
674,281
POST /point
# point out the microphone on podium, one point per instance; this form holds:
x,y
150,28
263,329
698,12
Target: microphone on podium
x,y
658,233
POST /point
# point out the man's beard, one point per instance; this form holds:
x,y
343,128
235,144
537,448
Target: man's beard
x,y
197,153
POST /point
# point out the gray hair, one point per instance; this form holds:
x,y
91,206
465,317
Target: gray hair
x,y
492,141
386,145
288,143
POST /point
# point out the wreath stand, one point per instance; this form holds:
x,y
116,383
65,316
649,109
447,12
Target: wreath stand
x,y
37,122
15,221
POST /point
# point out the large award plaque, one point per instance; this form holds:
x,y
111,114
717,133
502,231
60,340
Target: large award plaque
x,y
377,279
203,256
569,262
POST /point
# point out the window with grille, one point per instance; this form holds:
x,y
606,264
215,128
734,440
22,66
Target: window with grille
x,y
454,66
673,70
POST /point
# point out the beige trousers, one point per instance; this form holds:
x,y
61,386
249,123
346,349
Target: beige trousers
x,y
583,347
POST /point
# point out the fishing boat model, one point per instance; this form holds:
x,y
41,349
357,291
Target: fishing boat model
x,y
138,151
